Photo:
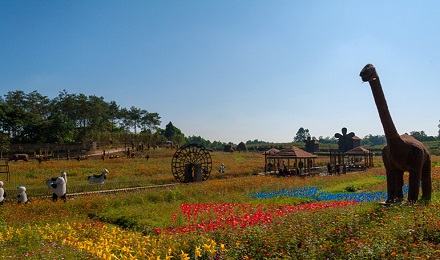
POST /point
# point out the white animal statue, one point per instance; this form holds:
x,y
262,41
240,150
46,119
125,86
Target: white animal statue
x,y
98,178
22,197
222,168
59,186
2,193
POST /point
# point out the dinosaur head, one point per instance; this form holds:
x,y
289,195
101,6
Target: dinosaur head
x,y
368,73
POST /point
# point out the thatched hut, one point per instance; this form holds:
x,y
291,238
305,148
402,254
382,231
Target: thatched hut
x,y
242,147
296,158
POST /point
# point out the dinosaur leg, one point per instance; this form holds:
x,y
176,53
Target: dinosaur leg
x,y
390,176
391,189
414,185
426,181
399,186
394,186
394,179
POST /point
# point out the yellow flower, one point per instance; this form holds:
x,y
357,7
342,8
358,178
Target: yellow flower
x,y
198,251
206,247
212,251
222,247
183,256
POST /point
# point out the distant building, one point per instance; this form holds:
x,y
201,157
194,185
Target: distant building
x,y
312,146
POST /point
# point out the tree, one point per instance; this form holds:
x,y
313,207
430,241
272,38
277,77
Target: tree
x,y
99,117
256,141
173,134
374,139
72,118
150,121
14,114
301,135
197,140
113,114
421,136
171,130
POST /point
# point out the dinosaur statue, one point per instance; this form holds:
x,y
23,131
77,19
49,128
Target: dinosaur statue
x,y
401,153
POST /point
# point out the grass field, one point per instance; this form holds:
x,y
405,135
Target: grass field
x,y
241,215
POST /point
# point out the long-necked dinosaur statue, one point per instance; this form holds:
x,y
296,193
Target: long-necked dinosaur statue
x,y
402,153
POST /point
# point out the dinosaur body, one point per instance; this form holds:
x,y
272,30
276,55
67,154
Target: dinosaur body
x,y
403,153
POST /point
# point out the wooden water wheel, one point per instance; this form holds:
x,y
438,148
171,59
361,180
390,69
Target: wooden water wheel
x,y
191,163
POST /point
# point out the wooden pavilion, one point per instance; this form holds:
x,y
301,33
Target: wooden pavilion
x,y
296,158
359,157
269,167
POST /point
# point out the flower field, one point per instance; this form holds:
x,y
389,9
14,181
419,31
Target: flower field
x,y
240,216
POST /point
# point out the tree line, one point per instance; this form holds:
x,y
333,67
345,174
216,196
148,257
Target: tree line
x,y
303,134
77,118
67,118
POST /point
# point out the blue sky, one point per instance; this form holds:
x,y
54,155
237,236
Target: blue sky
x,y
232,70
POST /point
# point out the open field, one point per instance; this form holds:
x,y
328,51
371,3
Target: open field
x,y
237,216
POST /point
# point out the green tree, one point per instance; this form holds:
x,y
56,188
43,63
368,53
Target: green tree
x,y
113,114
72,118
421,136
301,135
374,139
171,130
14,114
173,134
98,117
150,121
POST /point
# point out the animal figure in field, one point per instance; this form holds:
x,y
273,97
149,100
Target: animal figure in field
x,y
19,157
100,179
22,197
402,153
222,168
42,158
58,184
2,194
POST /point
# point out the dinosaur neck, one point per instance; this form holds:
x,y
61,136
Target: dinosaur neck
x,y
382,107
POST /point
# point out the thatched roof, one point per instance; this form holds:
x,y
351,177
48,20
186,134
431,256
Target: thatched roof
x,y
291,153
271,151
358,150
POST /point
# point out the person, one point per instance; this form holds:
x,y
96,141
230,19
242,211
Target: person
x,y
338,169
301,165
280,173
270,167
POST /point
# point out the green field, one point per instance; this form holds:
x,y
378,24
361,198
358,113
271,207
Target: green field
x,y
241,215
